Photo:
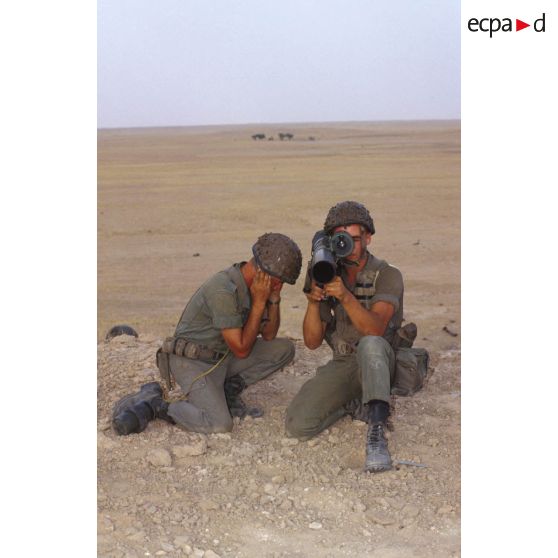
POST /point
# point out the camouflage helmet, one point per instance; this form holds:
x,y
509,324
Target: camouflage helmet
x,y
279,256
348,213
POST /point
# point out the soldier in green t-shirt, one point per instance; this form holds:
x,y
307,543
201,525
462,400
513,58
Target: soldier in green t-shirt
x,y
216,350
357,313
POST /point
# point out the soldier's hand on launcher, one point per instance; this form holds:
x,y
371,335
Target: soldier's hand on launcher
x,y
336,288
317,294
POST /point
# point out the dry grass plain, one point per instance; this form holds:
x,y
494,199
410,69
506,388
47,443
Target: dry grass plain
x,y
167,194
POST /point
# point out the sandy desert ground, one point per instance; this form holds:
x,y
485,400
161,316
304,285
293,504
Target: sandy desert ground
x,y
178,204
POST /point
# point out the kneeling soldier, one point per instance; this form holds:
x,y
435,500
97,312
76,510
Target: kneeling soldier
x,y
215,352
358,314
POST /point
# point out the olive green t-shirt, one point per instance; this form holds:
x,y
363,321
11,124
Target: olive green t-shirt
x,y
222,302
378,281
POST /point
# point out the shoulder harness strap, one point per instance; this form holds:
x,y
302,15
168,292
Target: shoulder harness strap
x,y
365,287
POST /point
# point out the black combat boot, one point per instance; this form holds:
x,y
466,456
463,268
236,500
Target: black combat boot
x,y
132,413
377,453
234,386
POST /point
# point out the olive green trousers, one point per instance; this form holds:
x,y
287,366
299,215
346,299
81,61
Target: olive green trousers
x,y
206,408
366,374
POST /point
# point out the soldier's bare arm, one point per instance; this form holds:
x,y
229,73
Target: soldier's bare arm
x,y
313,328
367,322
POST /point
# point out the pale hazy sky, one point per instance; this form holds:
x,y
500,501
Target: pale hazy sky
x,y
194,62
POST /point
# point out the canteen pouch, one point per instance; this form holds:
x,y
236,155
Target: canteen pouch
x,y
411,367
404,336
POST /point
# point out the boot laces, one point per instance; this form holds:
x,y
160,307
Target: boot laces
x,y
376,435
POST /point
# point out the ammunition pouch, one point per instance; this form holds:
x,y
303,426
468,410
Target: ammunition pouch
x,y
411,365
405,336
182,347
411,368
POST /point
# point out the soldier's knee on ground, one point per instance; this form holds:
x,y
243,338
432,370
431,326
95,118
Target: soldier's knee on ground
x,y
299,426
217,426
207,425
222,426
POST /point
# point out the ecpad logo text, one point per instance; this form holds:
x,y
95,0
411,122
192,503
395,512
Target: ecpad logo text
x,y
494,24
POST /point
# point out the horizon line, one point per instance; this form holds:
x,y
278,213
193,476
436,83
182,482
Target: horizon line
x,y
294,123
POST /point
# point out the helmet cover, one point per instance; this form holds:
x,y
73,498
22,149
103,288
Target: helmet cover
x,y
279,256
348,213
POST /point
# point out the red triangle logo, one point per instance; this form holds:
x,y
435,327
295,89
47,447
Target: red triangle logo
x,y
519,25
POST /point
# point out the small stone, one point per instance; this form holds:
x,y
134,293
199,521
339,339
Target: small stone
x,y
210,554
286,442
137,536
198,447
278,479
198,553
324,479
181,541
444,510
381,518
366,533
286,505
208,505
270,488
432,442
245,450
160,553
315,525
410,511
159,457
313,442
359,506
167,546
333,439
390,502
